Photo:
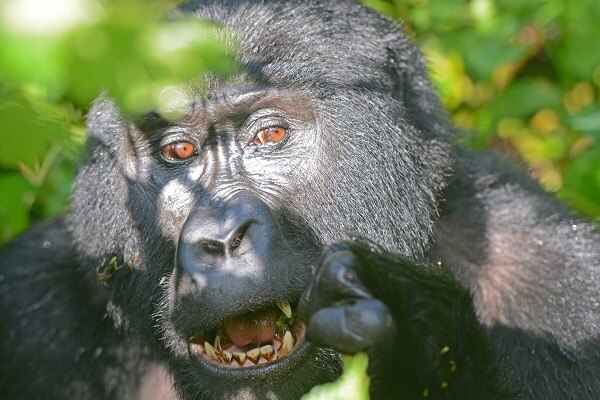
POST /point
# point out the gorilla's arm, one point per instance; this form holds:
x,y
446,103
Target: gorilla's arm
x,y
533,270
506,306
415,321
57,342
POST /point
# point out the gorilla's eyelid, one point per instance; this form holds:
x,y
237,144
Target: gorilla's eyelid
x,y
177,135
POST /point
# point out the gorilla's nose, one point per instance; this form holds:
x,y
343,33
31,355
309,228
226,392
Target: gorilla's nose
x,y
236,233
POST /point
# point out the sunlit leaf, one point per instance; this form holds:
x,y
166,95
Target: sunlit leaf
x,y
352,385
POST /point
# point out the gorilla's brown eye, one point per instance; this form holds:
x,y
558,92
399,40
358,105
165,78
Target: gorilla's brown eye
x,y
273,134
179,151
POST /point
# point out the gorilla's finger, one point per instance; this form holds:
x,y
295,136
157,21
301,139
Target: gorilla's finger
x,y
361,325
337,280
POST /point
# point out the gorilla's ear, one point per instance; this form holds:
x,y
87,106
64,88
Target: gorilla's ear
x,y
413,88
108,130
105,124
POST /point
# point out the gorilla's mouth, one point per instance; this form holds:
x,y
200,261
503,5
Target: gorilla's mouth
x,y
255,338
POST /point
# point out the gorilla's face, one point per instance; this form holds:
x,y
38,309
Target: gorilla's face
x,y
225,178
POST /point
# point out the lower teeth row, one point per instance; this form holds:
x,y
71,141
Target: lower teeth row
x,y
266,352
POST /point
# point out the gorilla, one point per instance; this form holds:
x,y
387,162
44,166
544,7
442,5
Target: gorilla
x,y
315,204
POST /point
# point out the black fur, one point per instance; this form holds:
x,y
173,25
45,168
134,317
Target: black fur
x,y
457,274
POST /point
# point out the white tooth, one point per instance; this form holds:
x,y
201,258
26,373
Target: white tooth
x,y
227,357
284,306
287,345
267,352
240,357
253,355
211,352
218,343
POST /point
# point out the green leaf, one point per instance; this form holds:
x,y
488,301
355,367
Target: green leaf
x,y
526,96
17,195
588,122
582,182
32,60
483,53
352,385
26,135
449,14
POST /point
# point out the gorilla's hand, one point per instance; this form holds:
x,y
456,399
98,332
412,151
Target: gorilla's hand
x,y
415,321
342,313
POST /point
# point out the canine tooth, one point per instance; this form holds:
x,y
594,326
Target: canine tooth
x,y
253,355
217,344
240,357
285,307
227,357
267,352
211,352
287,345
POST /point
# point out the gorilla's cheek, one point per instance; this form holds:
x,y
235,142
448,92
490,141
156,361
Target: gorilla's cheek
x,y
174,203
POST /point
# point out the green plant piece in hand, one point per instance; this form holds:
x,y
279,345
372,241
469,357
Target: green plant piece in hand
x,y
352,385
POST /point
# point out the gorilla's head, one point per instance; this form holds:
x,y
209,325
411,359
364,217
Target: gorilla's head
x,y
203,232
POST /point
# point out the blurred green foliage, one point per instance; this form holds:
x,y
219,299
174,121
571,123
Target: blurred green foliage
x,y
57,56
522,76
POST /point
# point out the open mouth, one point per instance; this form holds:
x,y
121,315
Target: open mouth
x,y
251,339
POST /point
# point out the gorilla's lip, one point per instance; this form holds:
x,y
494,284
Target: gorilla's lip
x,y
254,340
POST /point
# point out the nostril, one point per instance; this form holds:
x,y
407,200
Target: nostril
x,y
225,246
212,247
